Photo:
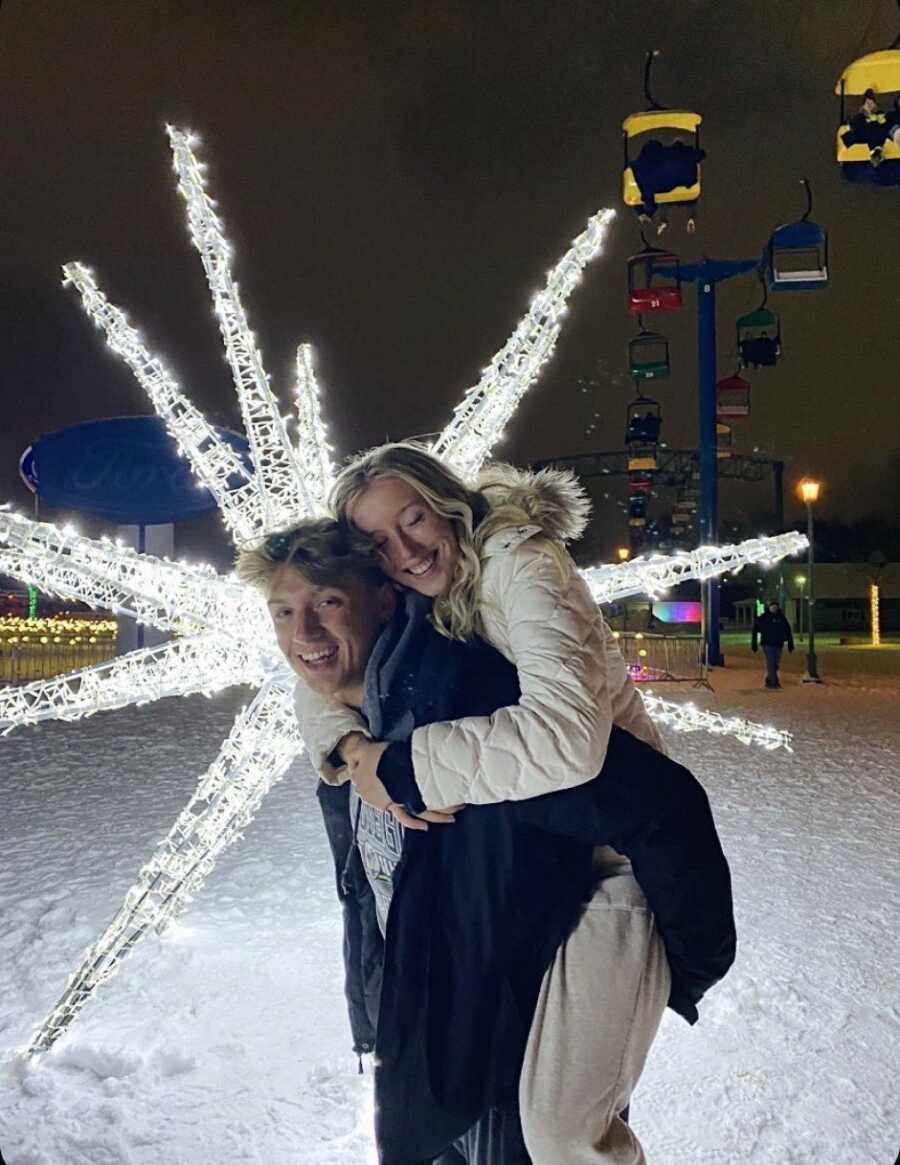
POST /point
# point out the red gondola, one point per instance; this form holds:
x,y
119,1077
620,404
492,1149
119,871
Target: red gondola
x,y
654,281
732,398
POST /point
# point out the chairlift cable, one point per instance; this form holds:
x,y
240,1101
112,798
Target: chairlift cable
x,y
865,35
809,200
648,62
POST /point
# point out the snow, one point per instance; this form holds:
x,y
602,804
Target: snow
x,y
226,1040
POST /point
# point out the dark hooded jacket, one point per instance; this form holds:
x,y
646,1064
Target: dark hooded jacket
x,y
773,629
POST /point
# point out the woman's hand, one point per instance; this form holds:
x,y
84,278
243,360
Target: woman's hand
x,y
362,756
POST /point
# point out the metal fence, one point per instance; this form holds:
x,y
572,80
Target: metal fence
x,y
22,664
37,649
661,658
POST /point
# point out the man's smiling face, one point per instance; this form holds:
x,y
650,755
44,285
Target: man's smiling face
x,y
327,632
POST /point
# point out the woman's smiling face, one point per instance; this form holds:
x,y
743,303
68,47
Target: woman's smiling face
x,y
417,547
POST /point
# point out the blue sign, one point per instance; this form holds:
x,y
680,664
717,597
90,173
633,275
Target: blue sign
x,y
124,469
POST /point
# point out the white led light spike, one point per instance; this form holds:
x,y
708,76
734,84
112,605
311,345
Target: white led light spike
x,y
658,573
198,663
213,460
256,754
482,415
284,494
314,463
170,596
689,718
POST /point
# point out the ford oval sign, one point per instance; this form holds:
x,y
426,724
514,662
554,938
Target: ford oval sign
x,y
124,469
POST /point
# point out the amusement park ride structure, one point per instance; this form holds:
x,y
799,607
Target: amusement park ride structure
x,y
662,169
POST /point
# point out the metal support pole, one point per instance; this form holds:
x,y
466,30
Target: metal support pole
x,y
812,673
778,481
709,465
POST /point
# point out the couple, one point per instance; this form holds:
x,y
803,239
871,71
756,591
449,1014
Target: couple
x,y
524,974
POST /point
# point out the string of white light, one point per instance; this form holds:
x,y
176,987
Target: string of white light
x,y
213,460
314,454
690,718
204,663
171,596
479,420
658,573
256,754
283,491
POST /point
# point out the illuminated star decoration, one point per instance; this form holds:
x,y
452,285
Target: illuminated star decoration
x,y
224,635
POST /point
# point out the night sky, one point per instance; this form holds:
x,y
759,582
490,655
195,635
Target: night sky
x,y
397,178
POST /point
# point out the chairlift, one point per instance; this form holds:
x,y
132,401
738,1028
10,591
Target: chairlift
x,y
759,335
798,253
724,440
759,338
642,457
648,356
662,170
637,505
643,421
732,398
868,142
640,483
654,281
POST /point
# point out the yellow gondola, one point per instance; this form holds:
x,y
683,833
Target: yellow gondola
x,y
880,73
674,166
656,121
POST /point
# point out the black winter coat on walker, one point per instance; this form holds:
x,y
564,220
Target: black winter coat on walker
x,y
773,630
480,907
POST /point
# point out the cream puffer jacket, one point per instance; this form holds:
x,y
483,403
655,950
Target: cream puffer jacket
x,y
573,680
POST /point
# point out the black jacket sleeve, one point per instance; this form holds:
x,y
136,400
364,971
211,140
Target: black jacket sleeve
x,y
396,773
656,812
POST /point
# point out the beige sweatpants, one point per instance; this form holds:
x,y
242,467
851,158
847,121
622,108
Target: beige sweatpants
x,y
599,1008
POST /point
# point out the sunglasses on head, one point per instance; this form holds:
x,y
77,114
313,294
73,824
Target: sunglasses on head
x,y
278,547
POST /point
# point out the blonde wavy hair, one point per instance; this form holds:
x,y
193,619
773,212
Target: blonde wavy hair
x,y
473,516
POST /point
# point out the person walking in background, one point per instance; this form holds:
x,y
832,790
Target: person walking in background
x,y
773,629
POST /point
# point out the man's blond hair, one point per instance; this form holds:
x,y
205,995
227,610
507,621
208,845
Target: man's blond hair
x,y
323,551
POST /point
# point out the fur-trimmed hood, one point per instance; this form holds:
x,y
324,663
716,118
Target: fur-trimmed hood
x,y
553,499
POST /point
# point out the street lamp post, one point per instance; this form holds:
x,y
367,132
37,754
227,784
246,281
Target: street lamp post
x,y
809,493
800,580
623,554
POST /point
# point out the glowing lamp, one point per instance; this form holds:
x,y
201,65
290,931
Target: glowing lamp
x,y
809,490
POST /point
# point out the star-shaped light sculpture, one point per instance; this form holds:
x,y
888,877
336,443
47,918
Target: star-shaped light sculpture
x,y
223,635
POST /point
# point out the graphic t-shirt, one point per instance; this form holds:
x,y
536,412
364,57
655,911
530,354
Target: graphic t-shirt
x,y
380,839
391,665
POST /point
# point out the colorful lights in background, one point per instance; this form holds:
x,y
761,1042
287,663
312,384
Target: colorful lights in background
x,y
672,611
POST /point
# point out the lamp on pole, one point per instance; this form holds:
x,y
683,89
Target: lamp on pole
x,y
809,494
623,554
800,580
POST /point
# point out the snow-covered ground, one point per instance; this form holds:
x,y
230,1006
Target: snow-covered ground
x,y
226,1040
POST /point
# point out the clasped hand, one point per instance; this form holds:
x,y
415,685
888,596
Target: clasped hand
x,y
362,756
